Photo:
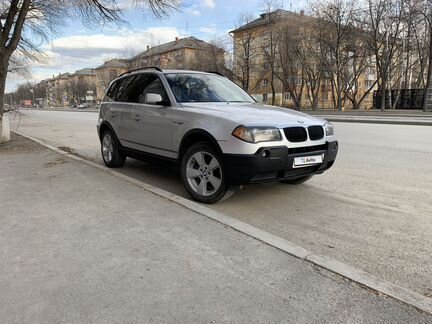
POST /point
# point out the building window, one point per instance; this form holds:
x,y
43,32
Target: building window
x,y
287,96
265,97
324,96
369,83
265,82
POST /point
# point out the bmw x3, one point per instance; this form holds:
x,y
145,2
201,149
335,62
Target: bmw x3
x,y
217,133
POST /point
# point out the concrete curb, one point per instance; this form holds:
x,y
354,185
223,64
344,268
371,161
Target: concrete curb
x,y
376,121
65,110
361,277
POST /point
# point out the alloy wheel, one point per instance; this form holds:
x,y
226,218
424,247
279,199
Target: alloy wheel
x,y
204,173
107,147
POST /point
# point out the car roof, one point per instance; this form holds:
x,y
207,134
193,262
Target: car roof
x,y
159,71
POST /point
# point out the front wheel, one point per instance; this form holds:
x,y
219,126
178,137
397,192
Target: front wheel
x,y
111,153
203,175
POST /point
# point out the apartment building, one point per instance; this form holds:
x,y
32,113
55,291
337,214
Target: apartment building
x,y
57,90
189,53
107,72
267,61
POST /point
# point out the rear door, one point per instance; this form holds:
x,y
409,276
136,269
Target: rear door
x,y
120,111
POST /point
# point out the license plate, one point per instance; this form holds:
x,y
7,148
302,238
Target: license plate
x,y
307,160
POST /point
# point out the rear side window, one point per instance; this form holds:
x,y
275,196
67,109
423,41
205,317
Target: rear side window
x,y
112,91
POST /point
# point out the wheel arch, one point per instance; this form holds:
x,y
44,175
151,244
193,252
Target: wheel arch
x,y
195,136
103,127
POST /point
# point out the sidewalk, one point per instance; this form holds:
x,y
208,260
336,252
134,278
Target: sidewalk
x,y
79,245
396,117
374,112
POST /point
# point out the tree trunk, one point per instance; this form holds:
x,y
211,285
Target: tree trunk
x,y
383,94
273,93
427,101
4,120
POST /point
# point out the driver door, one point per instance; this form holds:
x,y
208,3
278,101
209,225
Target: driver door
x,y
152,122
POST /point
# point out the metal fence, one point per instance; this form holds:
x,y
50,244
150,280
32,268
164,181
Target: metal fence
x,y
405,98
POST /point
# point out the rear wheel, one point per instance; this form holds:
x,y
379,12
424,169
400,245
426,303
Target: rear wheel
x,y
203,175
111,154
297,181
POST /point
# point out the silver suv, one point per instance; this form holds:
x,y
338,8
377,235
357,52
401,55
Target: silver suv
x,y
215,131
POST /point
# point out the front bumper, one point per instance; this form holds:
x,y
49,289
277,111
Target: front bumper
x,y
278,165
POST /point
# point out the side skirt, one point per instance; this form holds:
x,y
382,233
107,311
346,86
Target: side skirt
x,y
149,157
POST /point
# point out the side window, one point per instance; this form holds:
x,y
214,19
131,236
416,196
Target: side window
x,y
134,88
154,85
133,91
112,91
124,87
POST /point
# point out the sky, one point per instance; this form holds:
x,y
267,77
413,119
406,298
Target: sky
x,y
73,46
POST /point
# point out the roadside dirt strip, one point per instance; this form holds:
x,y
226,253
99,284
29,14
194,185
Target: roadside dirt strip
x,y
363,278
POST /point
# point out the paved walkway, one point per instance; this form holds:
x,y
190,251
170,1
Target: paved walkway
x,y
79,245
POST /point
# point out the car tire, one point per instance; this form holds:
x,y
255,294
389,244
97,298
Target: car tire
x,y
203,174
297,181
110,149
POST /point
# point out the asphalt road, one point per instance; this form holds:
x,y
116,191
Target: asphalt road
x,y
372,210
129,256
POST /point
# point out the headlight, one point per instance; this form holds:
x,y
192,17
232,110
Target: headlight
x,y
329,129
257,134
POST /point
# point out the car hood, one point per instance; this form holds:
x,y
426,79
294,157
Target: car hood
x,y
250,114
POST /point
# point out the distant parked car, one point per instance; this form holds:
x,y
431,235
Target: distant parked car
x,y
81,106
216,132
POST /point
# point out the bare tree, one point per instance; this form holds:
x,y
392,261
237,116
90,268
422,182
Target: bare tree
x,y
360,66
246,51
291,70
269,46
25,20
384,27
309,54
427,12
335,19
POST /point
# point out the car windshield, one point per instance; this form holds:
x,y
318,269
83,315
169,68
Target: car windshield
x,y
196,87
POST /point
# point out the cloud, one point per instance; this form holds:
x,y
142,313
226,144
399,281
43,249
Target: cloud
x,y
195,12
208,3
71,53
103,44
211,29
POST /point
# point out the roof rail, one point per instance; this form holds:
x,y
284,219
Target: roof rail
x,y
215,72
142,68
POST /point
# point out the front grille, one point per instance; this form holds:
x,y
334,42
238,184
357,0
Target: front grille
x,y
315,133
295,134
308,149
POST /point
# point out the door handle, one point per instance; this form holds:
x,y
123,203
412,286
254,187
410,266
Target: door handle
x,y
137,118
113,115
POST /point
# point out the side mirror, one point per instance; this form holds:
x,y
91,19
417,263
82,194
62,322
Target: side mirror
x,y
152,98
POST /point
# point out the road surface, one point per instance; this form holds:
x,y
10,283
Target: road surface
x,y
372,210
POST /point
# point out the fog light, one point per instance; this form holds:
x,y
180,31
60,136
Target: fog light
x,y
265,154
